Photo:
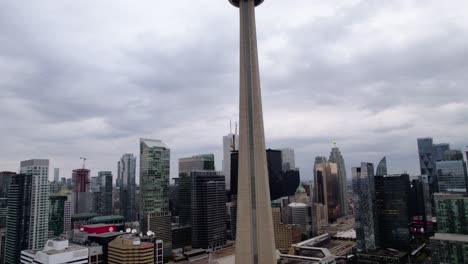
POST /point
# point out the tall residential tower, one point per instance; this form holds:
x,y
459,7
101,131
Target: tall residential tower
x,y
39,216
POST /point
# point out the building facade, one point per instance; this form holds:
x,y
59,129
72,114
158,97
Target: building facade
x,y
103,198
208,209
5,180
328,189
429,154
39,216
421,206
56,174
393,194
18,217
57,214
154,188
126,176
452,175
452,215
128,249
367,228
56,251
288,158
186,166
82,197
449,248
230,143
285,235
337,157
382,167
298,215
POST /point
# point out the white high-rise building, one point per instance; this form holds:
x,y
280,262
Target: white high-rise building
x,y
56,174
287,155
230,142
55,252
39,214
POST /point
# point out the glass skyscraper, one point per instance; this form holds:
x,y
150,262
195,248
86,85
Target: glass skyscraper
x,y
336,157
154,189
393,209
186,166
327,189
126,172
208,209
367,228
452,176
382,167
18,217
429,154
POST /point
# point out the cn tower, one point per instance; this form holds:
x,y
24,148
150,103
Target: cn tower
x,y
255,243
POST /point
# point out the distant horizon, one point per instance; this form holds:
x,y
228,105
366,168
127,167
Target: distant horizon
x,y
173,174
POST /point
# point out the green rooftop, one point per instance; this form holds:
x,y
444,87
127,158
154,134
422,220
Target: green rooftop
x,y
106,218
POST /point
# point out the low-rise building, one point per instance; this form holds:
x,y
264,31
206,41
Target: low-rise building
x,y
130,249
56,251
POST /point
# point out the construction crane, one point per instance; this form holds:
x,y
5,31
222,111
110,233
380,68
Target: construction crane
x,y
84,161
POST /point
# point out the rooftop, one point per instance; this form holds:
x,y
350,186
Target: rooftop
x,y
347,234
297,205
106,218
153,143
450,237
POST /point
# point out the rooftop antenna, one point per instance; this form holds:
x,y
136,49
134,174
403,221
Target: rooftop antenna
x,y
334,143
230,126
84,161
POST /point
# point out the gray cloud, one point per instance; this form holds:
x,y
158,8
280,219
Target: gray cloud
x,y
87,78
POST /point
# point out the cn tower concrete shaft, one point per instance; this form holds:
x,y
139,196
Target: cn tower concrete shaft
x,y
255,242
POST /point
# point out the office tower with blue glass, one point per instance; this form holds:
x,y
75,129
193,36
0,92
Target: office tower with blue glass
x,y
255,241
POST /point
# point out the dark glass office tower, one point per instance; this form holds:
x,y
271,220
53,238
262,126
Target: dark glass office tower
x,y
103,198
208,209
367,227
392,194
336,157
18,216
281,183
5,180
56,213
421,207
126,175
203,162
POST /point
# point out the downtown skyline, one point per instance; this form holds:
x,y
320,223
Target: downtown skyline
x,y
356,73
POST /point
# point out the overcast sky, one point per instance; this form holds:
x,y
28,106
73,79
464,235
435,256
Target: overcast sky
x,y
89,78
